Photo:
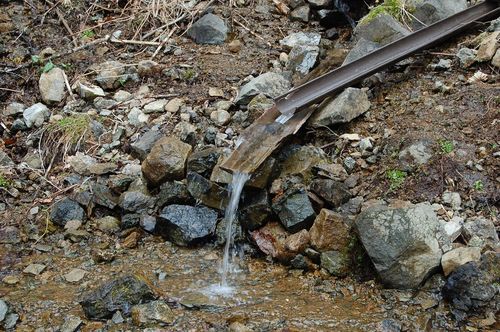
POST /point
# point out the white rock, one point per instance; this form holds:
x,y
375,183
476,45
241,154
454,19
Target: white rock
x,y
220,117
453,228
88,91
121,96
52,86
215,92
136,117
75,275
13,109
155,106
36,115
34,269
459,256
453,199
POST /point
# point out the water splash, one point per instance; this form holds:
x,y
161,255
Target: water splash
x,y
284,117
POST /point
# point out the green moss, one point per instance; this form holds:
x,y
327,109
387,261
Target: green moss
x,y
72,128
395,8
4,182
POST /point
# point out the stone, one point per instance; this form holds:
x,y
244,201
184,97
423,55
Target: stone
x,y
11,280
335,262
75,275
71,324
148,68
66,210
453,228
466,56
239,327
102,168
204,161
235,46
152,312
302,58
122,96
173,192
254,210
88,91
108,224
360,49
135,201
320,3
73,224
330,231
137,118
301,38
389,325
417,154
81,163
333,192
155,106
111,74
210,29
296,159
488,47
166,161
270,84
186,132
148,223
103,196
480,232
238,235
206,191
36,115
5,160
302,13
401,242
496,59
271,241
52,86
18,125
294,210
298,242
10,235
220,117
459,256
118,294
10,321
14,109
145,143
430,11
3,310
174,105
350,104
186,225
382,29
34,269
102,104
452,199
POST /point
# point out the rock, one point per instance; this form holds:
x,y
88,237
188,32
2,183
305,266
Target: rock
x,y
220,117
155,106
148,223
103,196
361,48
496,59
401,242
453,228
174,105
88,91
235,46
330,231
206,191
418,153
135,201
71,324
301,160
52,86
320,3
301,38
5,160
101,103
186,225
10,235
18,125
119,294
186,132
145,143
10,321
137,118
254,210
36,115
480,232
147,68
102,168
210,29
172,192
14,109
430,11
260,178
459,256
65,210
336,263
204,161
389,325
108,224
302,58
81,163
73,224
351,103
166,161
3,310
294,210
382,29
488,47
271,241
452,199
302,13
111,74
34,269
473,287
152,312
239,327
75,275
122,96
333,192
238,235
298,242
270,84
466,56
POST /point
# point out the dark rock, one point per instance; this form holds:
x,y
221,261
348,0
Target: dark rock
x,y
210,135
10,235
300,160
120,182
302,13
103,196
203,162
237,230
332,33
66,210
294,210
18,125
206,191
299,262
145,143
173,192
5,160
255,209
271,241
135,201
119,294
320,3
186,225
333,192
335,262
313,255
330,18
130,220
210,29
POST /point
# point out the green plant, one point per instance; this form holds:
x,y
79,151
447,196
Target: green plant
x,y
71,128
478,185
396,178
35,59
4,182
446,146
189,74
48,67
396,8
88,34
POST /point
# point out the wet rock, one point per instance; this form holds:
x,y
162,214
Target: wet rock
x,y
34,269
382,29
335,262
88,91
361,48
301,38
237,231
186,225
473,287
75,275
206,191
488,47
255,209
270,84
271,241
172,192
145,143
135,201
111,74
430,11
330,231
401,242
152,312
302,13
71,324
52,86
220,117
333,192
3,310
137,118
480,232
5,160
65,210
459,256
351,103
298,242
294,210
108,224
36,115
210,29
453,199
119,294
166,161
466,56
203,162
155,106
418,153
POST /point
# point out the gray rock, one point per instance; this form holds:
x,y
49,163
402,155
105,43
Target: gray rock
x,y
5,160
119,294
186,132
36,115
402,243
431,11
351,103
10,321
145,143
52,86
111,74
453,228
255,209
88,91
101,103
238,235
302,13
258,104
65,210
294,210
148,223
130,220
206,191
418,153
18,125
3,310
220,117
301,38
155,106
459,256
210,135
75,275
10,235
204,161
296,3
466,56
302,58
335,262
103,196
34,269
488,47
108,224
494,25
71,323
152,312
13,109
452,199
173,192
166,161
480,232
382,29
135,201
186,225
443,64
333,192
389,325
122,96
210,29
270,84
361,48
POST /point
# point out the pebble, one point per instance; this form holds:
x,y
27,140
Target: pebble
x,y
220,117
34,269
75,275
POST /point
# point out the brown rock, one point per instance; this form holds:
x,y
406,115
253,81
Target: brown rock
x,y
298,242
271,240
166,161
329,231
488,47
130,241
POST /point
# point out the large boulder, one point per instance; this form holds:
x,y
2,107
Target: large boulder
x,y
427,12
52,86
271,84
166,161
401,242
210,29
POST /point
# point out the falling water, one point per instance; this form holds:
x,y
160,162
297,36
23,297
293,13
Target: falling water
x,y
284,117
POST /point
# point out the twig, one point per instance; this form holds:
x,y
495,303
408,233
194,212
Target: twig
x,y
163,42
68,86
251,32
11,90
134,42
63,20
